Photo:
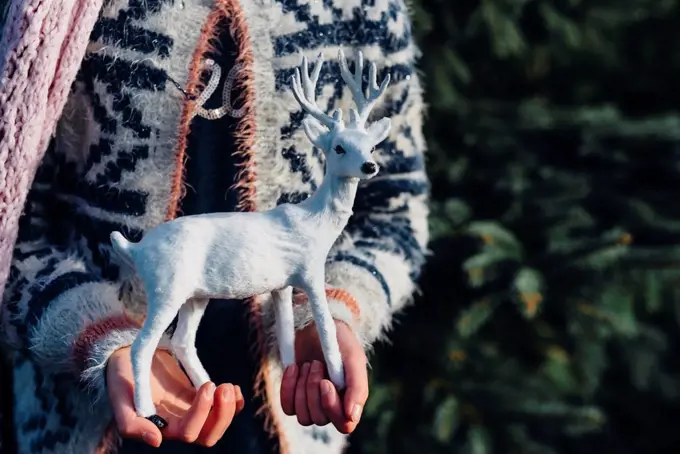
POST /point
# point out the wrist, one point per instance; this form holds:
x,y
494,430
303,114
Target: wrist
x,y
115,356
342,305
343,308
120,352
107,331
96,346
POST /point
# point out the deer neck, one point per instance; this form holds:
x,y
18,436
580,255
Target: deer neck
x,y
333,201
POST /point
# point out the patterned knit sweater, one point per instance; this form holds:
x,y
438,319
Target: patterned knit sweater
x,y
116,162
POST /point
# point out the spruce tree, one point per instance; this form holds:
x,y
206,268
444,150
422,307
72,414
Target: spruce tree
x,y
549,315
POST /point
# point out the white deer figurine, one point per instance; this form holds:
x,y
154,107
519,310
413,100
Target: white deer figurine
x,y
184,263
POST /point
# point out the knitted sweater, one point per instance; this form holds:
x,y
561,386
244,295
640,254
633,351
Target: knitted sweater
x,y
125,89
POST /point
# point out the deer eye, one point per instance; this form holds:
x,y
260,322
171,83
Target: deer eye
x,y
339,150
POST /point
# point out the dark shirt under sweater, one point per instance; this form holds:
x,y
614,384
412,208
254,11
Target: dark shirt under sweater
x,y
224,339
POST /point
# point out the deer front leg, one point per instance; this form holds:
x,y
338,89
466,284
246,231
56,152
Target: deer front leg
x,y
285,325
325,325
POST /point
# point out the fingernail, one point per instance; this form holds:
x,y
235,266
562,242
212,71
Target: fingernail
x,y
325,388
210,390
291,371
316,366
305,368
226,395
149,437
356,413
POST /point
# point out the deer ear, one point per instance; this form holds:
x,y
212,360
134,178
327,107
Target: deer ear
x,y
380,129
316,133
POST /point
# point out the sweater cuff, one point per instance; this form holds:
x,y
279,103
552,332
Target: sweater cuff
x,y
95,345
342,305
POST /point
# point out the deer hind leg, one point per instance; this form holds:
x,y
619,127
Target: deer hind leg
x,y
161,311
316,292
184,340
285,324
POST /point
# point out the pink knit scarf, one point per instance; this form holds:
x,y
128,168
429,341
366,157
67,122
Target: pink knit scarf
x,y
43,43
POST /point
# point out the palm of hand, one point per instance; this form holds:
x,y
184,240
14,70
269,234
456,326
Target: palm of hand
x,y
308,344
194,416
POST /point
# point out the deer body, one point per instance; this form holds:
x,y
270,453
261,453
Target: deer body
x,y
222,254
184,263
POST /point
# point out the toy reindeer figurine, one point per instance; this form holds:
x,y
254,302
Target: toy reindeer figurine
x,y
183,263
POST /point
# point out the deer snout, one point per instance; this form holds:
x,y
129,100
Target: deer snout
x,y
369,168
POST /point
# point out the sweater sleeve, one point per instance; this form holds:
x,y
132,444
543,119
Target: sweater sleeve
x,y
373,268
57,309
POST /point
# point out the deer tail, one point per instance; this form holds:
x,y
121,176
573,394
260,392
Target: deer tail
x,y
123,248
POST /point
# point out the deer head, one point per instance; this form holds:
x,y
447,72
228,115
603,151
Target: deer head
x,y
347,146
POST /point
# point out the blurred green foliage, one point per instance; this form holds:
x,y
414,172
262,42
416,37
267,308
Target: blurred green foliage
x,y
4,9
549,319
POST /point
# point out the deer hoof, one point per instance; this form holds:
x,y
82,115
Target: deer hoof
x,y
158,421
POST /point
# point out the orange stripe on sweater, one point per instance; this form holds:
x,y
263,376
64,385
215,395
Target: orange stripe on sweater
x,y
337,294
194,86
95,332
346,298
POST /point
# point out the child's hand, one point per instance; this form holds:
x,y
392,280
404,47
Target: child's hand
x,y
187,410
306,391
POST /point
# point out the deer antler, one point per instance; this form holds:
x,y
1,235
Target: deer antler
x,y
304,89
364,104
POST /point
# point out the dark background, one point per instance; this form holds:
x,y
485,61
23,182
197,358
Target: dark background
x,y
549,314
